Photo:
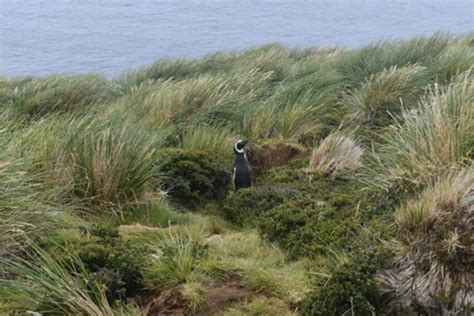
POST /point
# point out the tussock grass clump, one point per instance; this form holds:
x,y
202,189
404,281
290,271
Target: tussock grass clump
x,y
52,286
174,262
433,267
57,93
217,140
336,155
453,61
27,208
385,92
22,214
161,70
359,65
165,102
295,121
436,137
272,120
7,85
111,167
193,294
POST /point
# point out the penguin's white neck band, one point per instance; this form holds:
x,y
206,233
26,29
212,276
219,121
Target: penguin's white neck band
x,y
240,151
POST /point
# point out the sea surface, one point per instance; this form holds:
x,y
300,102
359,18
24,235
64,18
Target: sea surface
x,y
38,37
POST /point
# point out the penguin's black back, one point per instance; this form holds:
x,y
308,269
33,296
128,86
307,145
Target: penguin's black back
x,y
242,172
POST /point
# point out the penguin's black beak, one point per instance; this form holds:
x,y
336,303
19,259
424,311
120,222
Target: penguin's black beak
x,y
244,142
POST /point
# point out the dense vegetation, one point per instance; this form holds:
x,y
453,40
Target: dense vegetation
x,y
115,194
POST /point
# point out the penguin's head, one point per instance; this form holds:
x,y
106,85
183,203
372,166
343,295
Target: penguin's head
x,y
239,146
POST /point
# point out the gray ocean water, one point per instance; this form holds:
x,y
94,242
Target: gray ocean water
x,y
39,37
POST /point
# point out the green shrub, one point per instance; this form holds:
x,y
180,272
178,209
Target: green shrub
x,y
318,214
57,93
347,285
114,263
247,205
193,177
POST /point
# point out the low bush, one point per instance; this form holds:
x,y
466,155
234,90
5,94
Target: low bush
x,y
113,263
193,177
346,284
248,205
317,215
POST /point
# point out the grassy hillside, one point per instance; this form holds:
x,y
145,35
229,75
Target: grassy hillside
x,y
115,194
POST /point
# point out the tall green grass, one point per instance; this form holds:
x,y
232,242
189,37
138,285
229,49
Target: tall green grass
x,y
384,93
55,287
56,93
430,140
111,167
27,208
360,64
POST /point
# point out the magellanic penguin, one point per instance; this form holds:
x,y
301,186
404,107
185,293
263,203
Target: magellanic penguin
x,y
242,173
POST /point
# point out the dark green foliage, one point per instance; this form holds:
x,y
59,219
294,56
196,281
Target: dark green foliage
x,y
193,177
350,287
331,218
247,205
321,213
306,227
113,262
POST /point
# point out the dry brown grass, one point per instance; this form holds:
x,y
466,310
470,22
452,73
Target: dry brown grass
x,y
336,155
435,254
